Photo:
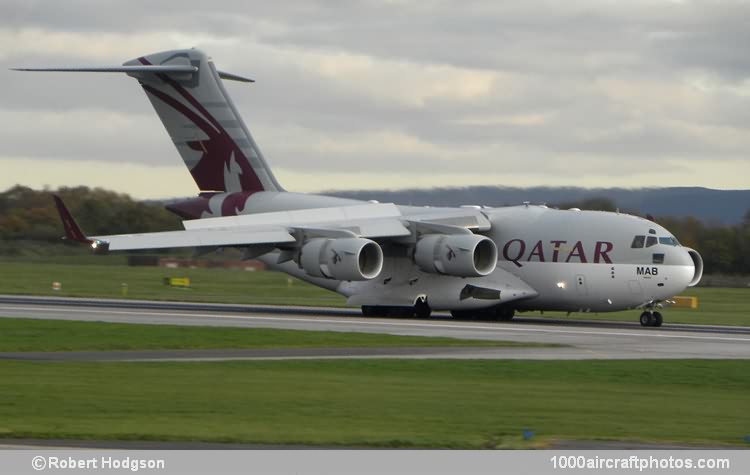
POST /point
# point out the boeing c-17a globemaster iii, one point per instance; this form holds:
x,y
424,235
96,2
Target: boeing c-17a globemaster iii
x,y
476,262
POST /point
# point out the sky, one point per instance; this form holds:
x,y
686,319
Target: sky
x,y
392,94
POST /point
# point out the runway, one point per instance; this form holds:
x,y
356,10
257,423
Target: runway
x,y
583,340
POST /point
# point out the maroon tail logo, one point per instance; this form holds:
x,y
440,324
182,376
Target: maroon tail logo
x,y
221,157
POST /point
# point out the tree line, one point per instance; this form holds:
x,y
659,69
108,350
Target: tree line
x,y
29,223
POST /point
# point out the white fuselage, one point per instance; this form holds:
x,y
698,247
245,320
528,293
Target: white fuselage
x,y
548,259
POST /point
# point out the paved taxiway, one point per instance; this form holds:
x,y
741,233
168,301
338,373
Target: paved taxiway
x,y
592,340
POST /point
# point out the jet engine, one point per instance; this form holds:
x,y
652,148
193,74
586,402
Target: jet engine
x,y
464,255
342,258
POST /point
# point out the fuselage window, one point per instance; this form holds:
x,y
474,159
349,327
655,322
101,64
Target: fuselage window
x,y
651,241
638,242
658,258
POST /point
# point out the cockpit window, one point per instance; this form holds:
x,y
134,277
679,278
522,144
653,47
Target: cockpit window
x,y
669,241
638,242
652,231
651,241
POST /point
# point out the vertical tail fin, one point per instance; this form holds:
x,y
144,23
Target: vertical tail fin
x,y
203,122
186,90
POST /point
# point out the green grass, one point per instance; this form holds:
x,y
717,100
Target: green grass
x,y
18,334
208,285
392,403
104,278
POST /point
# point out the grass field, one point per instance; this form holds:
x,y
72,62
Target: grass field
x,y
103,276
392,403
54,335
208,285
378,403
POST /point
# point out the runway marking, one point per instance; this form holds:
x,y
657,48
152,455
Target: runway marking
x,y
381,323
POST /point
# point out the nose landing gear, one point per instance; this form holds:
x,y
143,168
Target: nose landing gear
x,y
649,318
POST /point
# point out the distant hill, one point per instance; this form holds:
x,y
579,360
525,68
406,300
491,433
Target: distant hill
x,y
726,207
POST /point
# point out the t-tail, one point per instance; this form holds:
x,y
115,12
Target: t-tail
x,y
204,124
187,92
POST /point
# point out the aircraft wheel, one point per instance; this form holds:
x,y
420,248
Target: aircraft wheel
x,y
505,314
369,310
399,311
658,320
422,310
647,319
462,314
387,311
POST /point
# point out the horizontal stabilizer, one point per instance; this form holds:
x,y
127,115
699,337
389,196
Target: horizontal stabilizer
x,y
233,77
160,68
146,68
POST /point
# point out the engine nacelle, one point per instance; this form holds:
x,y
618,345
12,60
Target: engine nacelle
x,y
342,258
698,264
462,255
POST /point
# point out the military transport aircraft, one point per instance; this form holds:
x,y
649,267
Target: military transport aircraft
x,y
477,262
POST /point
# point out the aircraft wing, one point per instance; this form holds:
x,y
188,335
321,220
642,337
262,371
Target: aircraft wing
x,y
285,229
216,237
197,238
275,229
371,220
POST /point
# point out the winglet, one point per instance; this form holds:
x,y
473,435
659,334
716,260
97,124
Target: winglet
x,y
72,230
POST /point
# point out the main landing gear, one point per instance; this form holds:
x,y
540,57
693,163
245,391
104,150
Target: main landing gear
x,y
649,318
421,309
387,311
501,313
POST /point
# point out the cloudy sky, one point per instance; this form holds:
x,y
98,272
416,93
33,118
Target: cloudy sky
x,y
392,94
